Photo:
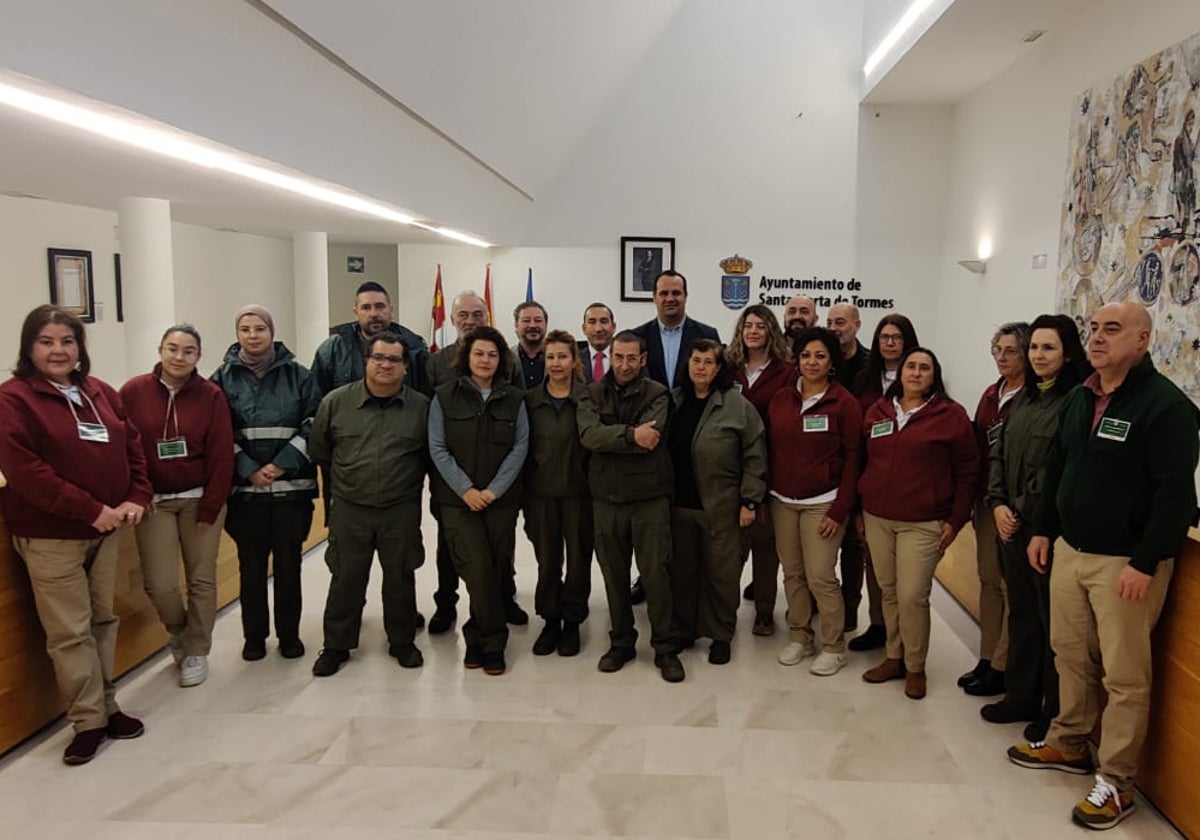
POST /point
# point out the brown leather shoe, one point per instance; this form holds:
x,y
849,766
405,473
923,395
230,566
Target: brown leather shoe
x,y
888,669
914,685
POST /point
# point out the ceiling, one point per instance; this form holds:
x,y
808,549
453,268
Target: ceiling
x,y
972,42
461,112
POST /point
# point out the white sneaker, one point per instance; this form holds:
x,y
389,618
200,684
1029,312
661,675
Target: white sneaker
x,y
794,653
193,670
175,643
827,664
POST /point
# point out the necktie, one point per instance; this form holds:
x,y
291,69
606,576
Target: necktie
x,y
598,366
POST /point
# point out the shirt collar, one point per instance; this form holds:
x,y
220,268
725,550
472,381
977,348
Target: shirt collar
x,y
663,328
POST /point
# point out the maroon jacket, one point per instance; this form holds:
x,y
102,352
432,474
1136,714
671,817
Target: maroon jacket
x,y
806,464
988,416
778,374
204,420
57,483
927,471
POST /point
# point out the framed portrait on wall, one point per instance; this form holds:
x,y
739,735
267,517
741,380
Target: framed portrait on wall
x,y
71,282
643,258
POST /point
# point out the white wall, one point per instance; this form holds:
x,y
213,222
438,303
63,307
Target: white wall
x,y
1008,170
381,266
215,272
27,228
903,184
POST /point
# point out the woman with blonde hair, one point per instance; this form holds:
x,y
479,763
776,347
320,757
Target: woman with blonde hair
x,y
761,362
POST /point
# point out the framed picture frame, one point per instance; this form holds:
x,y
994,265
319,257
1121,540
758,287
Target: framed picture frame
x,y
643,258
71,282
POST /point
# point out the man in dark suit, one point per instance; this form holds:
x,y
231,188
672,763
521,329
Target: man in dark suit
x,y
599,328
669,337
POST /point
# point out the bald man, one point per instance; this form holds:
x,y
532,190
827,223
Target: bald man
x,y
799,314
1116,504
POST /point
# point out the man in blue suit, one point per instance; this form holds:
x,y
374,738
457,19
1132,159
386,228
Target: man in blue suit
x,y
669,337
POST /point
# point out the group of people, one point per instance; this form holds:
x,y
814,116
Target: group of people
x,y
793,445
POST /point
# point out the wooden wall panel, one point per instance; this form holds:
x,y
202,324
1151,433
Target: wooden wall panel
x,y
28,697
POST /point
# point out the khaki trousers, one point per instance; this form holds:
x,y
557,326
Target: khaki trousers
x,y
993,603
165,535
905,555
73,583
810,571
1101,639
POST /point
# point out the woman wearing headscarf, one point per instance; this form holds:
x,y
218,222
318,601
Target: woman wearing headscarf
x,y
187,438
762,365
1056,363
716,442
558,506
76,474
272,401
917,490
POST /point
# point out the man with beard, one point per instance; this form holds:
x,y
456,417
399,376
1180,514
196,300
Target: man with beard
x,y
341,358
799,315
468,312
530,321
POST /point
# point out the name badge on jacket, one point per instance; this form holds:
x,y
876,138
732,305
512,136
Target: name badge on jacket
x,y
1113,429
817,423
170,449
883,428
95,432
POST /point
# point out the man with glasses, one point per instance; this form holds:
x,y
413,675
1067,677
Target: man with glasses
x,y
371,436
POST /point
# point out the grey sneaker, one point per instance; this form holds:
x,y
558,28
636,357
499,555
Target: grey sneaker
x,y
193,670
794,653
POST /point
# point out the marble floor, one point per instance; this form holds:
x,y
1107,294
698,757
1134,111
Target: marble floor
x,y
746,751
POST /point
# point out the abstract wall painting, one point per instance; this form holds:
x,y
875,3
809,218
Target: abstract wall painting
x,y
1130,225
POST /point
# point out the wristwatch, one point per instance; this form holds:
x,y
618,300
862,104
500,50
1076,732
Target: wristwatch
x,y
749,505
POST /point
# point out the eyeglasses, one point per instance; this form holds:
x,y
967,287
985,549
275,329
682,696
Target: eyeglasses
x,y
1005,352
884,338
380,358
185,352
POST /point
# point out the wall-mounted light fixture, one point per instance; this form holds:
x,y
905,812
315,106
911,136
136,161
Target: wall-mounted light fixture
x,y
974,266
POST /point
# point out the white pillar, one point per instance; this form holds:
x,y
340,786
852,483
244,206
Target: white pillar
x,y
147,277
310,269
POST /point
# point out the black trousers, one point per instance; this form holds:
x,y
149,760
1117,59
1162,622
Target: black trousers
x,y
356,533
1030,678
446,594
482,545
269,530
561,529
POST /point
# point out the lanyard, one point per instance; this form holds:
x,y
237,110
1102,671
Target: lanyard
x,y
172,414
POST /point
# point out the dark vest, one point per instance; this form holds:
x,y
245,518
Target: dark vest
x,y
479,436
